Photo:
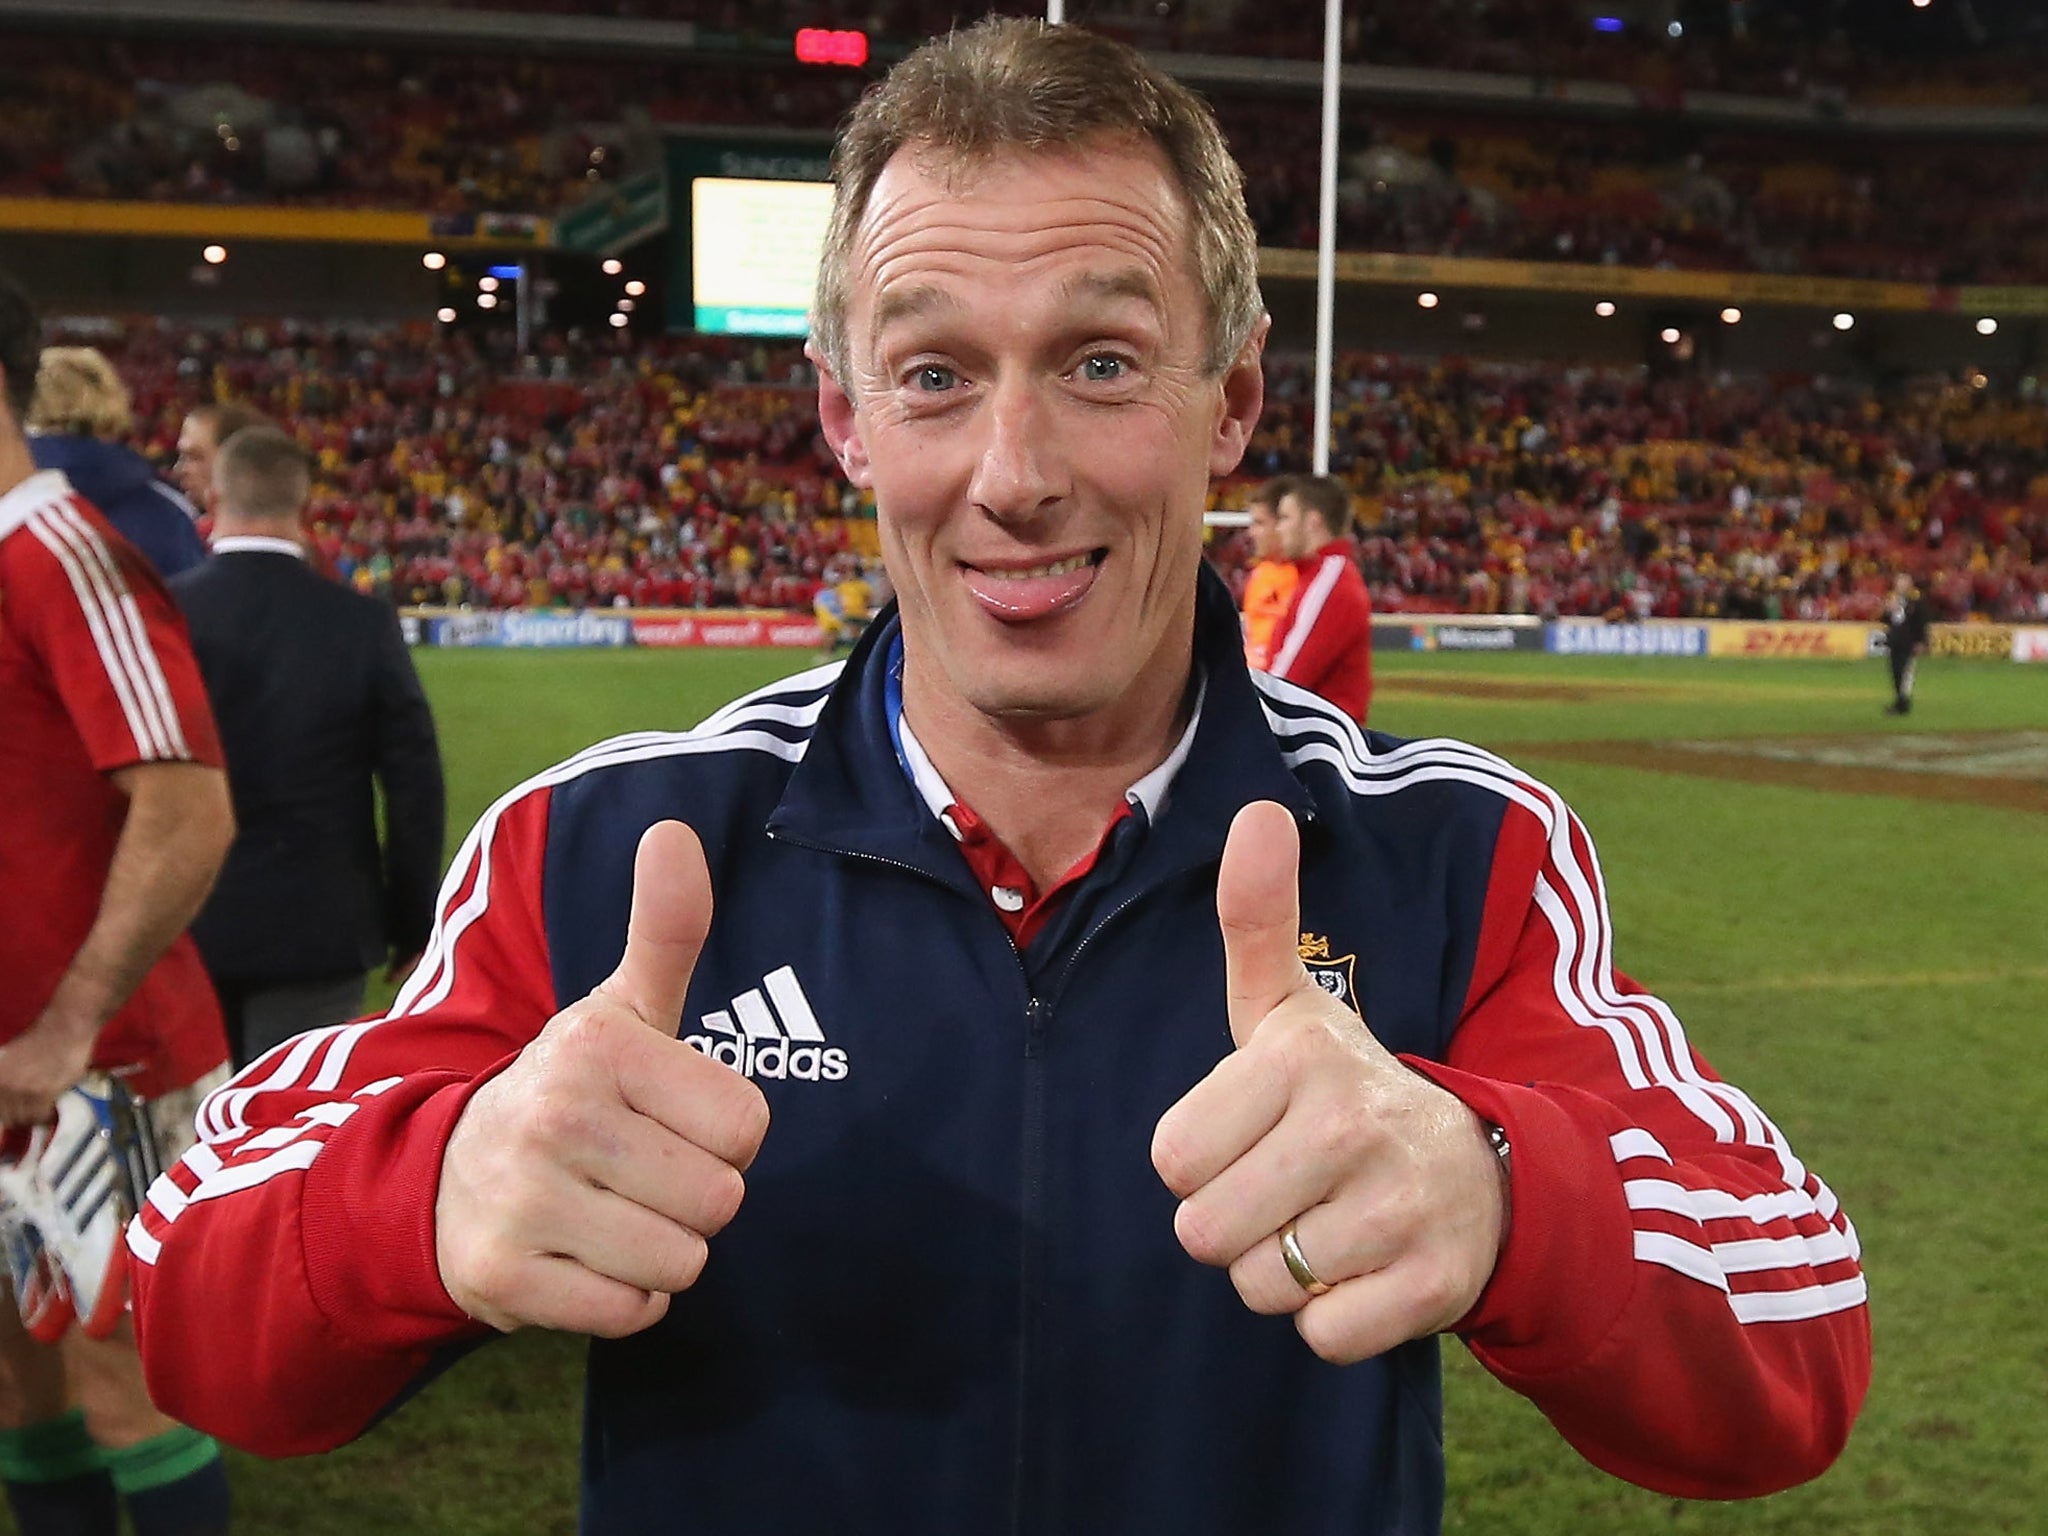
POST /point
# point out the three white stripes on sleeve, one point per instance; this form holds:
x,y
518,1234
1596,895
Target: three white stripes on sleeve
x,y
117,631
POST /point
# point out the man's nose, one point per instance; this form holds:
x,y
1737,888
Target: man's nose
x,y
1019,472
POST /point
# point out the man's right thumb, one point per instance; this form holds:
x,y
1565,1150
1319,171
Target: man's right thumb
x,y
1258,904
671,914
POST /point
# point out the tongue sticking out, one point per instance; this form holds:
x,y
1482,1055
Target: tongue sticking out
x,y
1017,599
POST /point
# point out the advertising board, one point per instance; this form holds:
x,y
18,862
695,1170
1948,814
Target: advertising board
x,y
1837,642
1464,637
692,630
1597,637
1979,642
550,631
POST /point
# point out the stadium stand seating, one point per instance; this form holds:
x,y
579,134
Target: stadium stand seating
x,y
626,469
1991,52
456,133
689,472
664,474
441,132
1654,194
1525,489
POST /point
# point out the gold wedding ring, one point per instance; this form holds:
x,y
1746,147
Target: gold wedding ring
x,y
1297,1266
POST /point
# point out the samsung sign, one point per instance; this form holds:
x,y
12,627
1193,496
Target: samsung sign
x,y
1597,637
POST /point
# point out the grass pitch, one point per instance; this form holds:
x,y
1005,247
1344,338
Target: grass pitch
x,y
1872,967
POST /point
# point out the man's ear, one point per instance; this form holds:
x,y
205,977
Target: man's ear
x,y
1244,399
841,425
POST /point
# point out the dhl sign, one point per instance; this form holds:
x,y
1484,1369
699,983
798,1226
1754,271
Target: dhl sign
x,y
1831,642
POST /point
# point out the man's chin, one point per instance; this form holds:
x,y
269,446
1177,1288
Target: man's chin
x,y
1035,705
1061,669
1023,689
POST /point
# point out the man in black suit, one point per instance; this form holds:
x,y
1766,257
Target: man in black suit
x,y
1905,637
317,702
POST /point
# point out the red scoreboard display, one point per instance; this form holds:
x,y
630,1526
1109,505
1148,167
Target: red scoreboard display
x,y
821,45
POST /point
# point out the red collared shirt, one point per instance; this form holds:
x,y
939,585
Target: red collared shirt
x,y
1024,909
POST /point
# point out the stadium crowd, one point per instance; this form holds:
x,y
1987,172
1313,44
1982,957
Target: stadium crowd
x,y
202,121
691,473
526,136
1517,489
1653,194
664,475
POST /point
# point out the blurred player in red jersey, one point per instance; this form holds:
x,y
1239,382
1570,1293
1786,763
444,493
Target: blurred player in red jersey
x,y
1325,641
116,818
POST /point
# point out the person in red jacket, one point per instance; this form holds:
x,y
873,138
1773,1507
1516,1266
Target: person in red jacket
x,y
115,816
1325,641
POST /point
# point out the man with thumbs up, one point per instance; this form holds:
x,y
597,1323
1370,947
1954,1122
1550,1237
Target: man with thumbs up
x,y
1029,1008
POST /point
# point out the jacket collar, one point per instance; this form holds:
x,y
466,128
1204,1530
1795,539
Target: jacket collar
x,y
258,544
1149,794
1338,546
851,794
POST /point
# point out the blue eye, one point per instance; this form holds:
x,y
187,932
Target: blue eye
x,y
932,378
1102,368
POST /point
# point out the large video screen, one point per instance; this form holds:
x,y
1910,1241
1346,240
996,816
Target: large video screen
x,y
754,253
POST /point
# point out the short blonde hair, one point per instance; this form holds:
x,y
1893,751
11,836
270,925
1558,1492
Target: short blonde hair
x,y
78,391
1010,83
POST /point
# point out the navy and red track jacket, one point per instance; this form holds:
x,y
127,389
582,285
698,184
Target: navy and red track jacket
x,y
953,1300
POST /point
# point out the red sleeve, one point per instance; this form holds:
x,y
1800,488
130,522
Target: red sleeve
x,y
307,1208
1323,624
1678,1293
99,618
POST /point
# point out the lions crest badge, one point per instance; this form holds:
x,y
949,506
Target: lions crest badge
x,y
1335,974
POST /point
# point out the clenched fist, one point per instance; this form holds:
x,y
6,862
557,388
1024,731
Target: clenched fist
x,y
582,1184
1399,1200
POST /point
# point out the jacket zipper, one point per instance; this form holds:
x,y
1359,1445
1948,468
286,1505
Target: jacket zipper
x,y
1029,1496
1306,818
1027,1510
1067,970
1037,1015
